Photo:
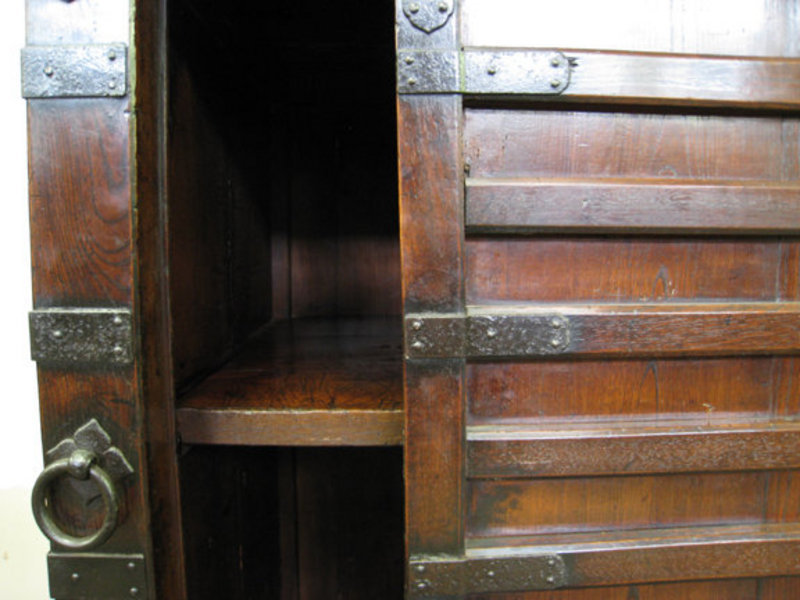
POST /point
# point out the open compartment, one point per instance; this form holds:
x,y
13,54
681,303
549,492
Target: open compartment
x,y
285,297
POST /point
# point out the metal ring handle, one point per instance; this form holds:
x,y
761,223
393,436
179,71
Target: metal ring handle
x,y
81,465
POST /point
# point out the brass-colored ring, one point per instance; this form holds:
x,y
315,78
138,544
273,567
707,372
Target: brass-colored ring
x,y
43,513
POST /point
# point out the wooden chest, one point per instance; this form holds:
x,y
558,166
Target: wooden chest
x,y
560,363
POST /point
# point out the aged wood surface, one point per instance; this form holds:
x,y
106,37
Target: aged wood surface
x,y
630,206
515,452
305,382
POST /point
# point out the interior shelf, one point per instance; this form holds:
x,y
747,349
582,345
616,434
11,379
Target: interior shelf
x,y
304,382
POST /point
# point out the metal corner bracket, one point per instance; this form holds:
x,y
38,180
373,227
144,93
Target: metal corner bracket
x,y
82,337
85,71
95,575
428,15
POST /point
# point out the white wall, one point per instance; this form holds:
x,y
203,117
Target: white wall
x,y
22,548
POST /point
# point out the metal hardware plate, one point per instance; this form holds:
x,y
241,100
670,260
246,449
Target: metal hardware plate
x,y
107,576
63,337
485,336
442,578
428,72
515,72
478,72
428,15
93,438
94,70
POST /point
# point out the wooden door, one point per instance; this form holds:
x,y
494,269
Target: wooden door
x,y
599,219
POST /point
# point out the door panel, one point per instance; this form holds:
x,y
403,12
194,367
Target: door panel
x,y
626,322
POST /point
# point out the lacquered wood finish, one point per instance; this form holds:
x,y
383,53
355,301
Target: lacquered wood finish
x,y
653,205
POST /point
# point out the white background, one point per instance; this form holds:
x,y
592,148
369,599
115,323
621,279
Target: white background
x,y
23,549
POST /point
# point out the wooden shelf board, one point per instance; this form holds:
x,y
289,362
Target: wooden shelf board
x,y
309,382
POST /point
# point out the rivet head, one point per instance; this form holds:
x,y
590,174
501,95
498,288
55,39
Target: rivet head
x,y
490,573
555,342
112,84
409,60
131,566
443,7
492,70
417,345
413,8
412,81
551,562
420,568
555,83
555,61
550,579
112,54
557,323
422,585
491,332
134,591
416,325
58,334
48,70
75,576
118,350
117,320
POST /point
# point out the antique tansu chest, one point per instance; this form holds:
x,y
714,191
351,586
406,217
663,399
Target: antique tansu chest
x,y
434,299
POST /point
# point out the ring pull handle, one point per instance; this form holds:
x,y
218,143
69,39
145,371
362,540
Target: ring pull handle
x,y
81,465
88,455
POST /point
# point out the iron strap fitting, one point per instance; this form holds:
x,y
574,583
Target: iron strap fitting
x,y
82,337
85,71
431,335
457,577
94,575
475,71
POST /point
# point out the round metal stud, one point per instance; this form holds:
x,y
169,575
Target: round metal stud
x,y
112,84
416,325
557,323
555,83
550,579
555,62
490,573
118,350
555,342
58,334
443,7
420,568
131,566
48,70
409,60
413,8
412,81
491,332
112,54
75,576
134,591
492,70
117,320
418,345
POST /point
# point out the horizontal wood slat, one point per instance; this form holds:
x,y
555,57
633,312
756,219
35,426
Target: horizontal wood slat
x,y
683,80
633,206
495,452
681,554
651,329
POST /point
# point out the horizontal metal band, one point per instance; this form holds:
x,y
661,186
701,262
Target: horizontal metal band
x,y
522,206
86,71
73,337
439,336
651,329
473,71
442,578
96,575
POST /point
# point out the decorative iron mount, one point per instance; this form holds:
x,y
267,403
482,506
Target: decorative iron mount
x,y
455,577
476,71
432,335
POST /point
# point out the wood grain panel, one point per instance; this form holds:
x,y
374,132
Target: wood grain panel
x,y
619,269
549,506
525,206
677,80
515,452
701,389
755,28
431,210
746,589
558,143
434,456
80,202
